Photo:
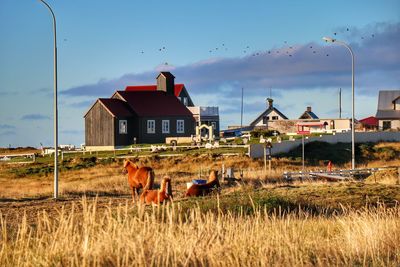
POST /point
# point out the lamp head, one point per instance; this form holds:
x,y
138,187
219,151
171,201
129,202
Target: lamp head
x,y
328,39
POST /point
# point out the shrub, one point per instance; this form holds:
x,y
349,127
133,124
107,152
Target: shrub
x,y
258,132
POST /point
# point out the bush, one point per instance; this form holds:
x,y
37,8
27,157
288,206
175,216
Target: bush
x,y
367,150
266,133
238,141
386,153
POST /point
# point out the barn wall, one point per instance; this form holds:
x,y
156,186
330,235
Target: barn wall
x,y
158,136
99,127
133,131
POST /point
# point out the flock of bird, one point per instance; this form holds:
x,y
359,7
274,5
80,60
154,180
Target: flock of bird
x,y
285,50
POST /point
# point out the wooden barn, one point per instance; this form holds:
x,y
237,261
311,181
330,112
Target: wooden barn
x,y
138,116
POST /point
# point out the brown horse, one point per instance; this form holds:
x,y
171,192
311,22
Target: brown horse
x,y
158,196
142,177
204,189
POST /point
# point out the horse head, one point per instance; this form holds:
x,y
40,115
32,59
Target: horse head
x,y
213,176
127,164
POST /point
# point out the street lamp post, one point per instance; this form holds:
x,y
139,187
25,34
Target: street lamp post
x,y
332,40
54,104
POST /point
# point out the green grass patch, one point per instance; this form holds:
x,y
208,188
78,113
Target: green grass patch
x,y
313,198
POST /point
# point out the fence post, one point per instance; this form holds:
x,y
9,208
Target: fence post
x,y
265,160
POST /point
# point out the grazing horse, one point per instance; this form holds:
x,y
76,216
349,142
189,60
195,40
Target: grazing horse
x,y
204,189
158,196
142,177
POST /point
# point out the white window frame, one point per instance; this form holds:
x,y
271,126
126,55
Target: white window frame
x,y
180,126
121,129
151,126
165,126
185,101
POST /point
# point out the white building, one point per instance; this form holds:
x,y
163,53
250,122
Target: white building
x,y
388,113
206,115
270,114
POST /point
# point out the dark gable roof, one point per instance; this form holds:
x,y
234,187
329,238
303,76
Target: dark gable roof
x,y
265,113
386,98
397,98
116,107
388,114
166,74
178,88
309,114
154,103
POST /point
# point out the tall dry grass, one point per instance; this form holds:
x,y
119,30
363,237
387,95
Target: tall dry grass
x,y
165,236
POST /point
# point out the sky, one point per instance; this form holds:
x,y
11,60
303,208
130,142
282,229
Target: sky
x,y
216,48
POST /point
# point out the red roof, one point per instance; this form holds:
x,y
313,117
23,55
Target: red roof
x,y
116,107
372,121
137,88
154,103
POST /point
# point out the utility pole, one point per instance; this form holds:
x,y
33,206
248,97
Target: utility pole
x,y
340,103
241,112
55,106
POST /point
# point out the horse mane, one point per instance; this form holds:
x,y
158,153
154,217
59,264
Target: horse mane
x,y
166,186
150,180
164,182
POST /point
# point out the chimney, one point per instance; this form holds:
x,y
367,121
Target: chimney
x,y
270,100
308,109
166,82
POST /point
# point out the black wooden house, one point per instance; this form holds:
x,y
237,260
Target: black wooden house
x,y
144,116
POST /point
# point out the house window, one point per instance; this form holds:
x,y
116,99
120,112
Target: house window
x,y
386,125
274,117
180,126
123,127
151,126
214,125
265,119
185,100
165,126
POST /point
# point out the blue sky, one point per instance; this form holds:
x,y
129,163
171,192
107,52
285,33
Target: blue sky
x,y
100,46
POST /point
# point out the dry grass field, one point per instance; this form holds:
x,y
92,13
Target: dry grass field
x,y
261,221
167,236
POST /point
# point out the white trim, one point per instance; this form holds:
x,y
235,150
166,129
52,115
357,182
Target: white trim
x,y
151,126
165,126
180,126
123,129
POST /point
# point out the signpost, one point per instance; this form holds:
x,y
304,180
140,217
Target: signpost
x,y
267,154
302,131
